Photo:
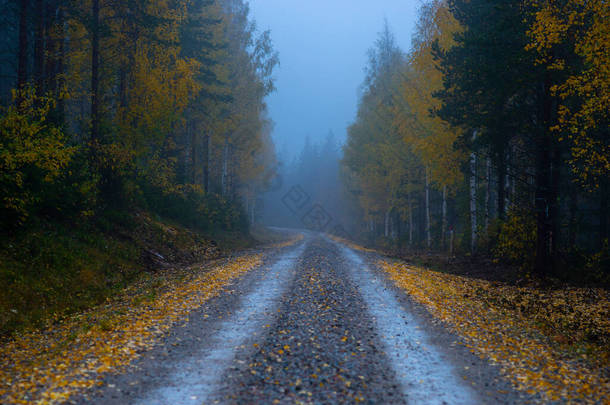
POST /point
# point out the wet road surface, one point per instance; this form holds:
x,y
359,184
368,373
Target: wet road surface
x,y
318,323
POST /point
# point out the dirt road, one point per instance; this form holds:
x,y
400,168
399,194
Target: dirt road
x,y
317,323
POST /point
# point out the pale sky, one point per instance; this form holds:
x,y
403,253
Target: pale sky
x,y
322,46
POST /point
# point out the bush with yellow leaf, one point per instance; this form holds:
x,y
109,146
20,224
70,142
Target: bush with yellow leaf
x,y
33,154
517,239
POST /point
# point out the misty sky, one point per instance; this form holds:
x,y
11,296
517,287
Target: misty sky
x,y
322,46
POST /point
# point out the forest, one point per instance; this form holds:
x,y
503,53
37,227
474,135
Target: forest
x,y
113,108
107,104
183,220
130,130
490,136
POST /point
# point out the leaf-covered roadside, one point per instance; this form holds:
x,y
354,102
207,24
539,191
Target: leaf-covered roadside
x,y
352,245
554,342
51,365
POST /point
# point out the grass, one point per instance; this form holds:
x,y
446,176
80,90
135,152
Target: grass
x,y
45,274
59,269
73,354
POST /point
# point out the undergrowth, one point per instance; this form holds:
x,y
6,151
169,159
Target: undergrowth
x,y
55,269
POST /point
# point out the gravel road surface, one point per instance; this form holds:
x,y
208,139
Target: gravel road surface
x,y
317,323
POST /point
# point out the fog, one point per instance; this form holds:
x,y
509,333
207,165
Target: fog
x,y
323,50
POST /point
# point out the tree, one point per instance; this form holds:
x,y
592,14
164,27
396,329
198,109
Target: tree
x,y
375,152
33,155
22,73
146,92
573,37
95,65
432,138
481,93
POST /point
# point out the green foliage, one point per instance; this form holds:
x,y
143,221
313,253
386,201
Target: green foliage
x,y
500,109
192,207
34,154
572,37
517,239
180,117
593,266
56,270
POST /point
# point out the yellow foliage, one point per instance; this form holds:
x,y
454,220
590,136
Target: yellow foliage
x,y
516,327
32,151
517,238
430,137
50,366
580,27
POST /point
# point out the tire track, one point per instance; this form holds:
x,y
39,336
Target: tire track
x,y
426,376
195,380
323,348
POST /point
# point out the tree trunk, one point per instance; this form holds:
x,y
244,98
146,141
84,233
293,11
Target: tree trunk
x,y
59,79
232,172
487,193
444,219
206,162
22,67
386,224
253,210
603,213
451,242
410,221
507,180
543,185
542,209
473,202
573,207
231,164
554,207
193,135
50,47
513,183
95,60
428,233
501,176
123,72
225,166
399,227
39,47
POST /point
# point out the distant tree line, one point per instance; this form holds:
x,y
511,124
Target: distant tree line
x,y
307,191
150,104
491,134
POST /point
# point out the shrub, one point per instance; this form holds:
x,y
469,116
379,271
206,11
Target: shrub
x,y
34,153
517,239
